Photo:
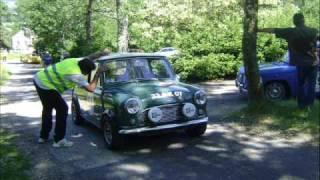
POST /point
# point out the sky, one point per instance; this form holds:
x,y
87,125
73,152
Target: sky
x,y
11,3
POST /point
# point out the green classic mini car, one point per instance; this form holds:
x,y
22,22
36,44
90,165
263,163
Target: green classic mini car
x,y
139,94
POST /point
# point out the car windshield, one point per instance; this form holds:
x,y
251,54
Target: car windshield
x,y
137,69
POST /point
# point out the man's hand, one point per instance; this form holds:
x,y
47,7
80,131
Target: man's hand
x,y
93,84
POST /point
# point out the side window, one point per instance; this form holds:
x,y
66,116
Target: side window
x,y
159,68
117,71
142,69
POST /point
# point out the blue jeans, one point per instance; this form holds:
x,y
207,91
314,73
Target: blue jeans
x,y
306,85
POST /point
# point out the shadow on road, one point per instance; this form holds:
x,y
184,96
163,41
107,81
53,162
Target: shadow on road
x,y
224,152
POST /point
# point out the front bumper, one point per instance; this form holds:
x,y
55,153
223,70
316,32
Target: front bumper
x,y
163,127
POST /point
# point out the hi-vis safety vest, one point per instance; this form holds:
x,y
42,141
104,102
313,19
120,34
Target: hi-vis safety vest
x,y
53,76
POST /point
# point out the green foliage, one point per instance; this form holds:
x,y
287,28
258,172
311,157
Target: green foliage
x,y
202,30
4,74
312,13
270,48
212,66
56,23
6,29
13,165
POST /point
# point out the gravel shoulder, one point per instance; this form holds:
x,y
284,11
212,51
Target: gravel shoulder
x,y
226,151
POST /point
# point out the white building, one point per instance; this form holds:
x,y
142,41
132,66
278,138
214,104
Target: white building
x,y
22,41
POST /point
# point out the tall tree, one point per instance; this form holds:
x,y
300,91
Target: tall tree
x,y
122,19
89,23
249,44
4,16
57,24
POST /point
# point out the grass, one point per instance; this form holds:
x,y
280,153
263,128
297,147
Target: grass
x,y
4,74
283,116
13,56
13,165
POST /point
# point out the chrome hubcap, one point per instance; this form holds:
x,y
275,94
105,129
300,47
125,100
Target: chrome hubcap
x,y
275,91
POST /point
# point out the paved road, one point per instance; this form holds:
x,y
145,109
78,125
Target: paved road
x,y
226,151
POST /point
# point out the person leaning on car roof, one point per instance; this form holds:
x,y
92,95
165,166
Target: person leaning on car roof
x,y
51,82
302,54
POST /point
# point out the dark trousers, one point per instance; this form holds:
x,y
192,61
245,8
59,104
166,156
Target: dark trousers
x,y
52,99
306,85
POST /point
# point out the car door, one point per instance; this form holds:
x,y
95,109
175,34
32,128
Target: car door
x,y
90,102
95,102
83,99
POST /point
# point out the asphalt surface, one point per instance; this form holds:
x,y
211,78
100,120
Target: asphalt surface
x,y
226,151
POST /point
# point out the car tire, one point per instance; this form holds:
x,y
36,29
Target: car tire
x,y
275,91
196,131
75,113
111,136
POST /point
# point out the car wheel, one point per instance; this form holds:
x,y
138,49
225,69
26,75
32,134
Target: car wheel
x,y
112,138
275,91
75,113
197,130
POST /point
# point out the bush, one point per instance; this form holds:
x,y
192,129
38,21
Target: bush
x,y
213,66
30,59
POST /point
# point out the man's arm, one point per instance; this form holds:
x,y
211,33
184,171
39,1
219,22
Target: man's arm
x,y
266,30
80,80
93,84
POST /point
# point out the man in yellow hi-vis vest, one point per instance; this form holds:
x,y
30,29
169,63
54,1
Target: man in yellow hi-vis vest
x,y
51,82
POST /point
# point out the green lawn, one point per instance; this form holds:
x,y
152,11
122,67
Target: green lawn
x,y
4,74
283,116
13,165
13,56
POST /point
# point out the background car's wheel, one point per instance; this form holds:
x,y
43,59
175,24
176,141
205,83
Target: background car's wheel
x,y
196,131
75,113
275,91
112,138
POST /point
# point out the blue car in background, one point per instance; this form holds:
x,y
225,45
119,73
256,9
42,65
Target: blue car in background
x,y
279,80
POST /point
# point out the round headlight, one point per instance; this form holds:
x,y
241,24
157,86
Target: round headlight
x,y
132,105
189,110
200,97
155,114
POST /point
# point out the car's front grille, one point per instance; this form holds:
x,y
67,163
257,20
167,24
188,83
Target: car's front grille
x,y
169,113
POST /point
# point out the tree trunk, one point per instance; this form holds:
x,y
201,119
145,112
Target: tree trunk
x,y
249,44
122,18
89,24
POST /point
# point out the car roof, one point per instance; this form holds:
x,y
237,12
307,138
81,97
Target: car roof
x,y
116,56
